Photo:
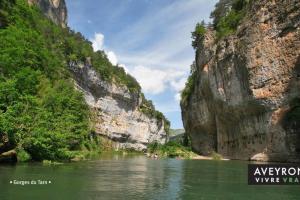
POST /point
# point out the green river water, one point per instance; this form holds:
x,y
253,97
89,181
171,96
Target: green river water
x,y
137,178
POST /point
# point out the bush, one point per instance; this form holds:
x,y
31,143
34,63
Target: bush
x,y
23,156
228,15
148,109
198,34
171,149
216,156
189,85
229,23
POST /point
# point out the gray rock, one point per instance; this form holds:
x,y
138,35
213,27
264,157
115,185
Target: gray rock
x,y
244,84
116,111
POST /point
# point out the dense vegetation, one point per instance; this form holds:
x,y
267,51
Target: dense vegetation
x,y
148,109
171,149
42,116
228,15
198,34
40,112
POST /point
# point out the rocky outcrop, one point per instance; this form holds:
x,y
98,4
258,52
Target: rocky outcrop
x,y
116,113
8,157
56,10
245,101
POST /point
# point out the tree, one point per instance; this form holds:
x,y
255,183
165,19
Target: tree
x,y
221,10
198,34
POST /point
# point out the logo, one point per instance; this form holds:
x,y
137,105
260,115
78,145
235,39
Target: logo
x,y
273,174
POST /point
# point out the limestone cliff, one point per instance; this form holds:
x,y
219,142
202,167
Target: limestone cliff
x,y
56,10
245,100
116,111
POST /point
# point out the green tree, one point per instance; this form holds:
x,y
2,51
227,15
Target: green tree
x,y
198,34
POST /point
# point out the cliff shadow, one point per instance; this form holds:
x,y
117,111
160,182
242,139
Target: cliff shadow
x,y
291,119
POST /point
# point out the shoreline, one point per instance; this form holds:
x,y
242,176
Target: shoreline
x,y
200,157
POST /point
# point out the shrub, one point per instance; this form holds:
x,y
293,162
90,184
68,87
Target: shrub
x,y
198,34
189,85
170,149
23,156
216,156
148,109
228,15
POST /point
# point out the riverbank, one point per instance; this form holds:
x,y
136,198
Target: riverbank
x,y
200,157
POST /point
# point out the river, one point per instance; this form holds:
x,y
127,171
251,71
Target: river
x,y
136,178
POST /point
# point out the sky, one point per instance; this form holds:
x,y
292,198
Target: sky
x,y
151,39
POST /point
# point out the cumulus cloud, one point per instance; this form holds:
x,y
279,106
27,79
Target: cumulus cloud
x,y
177,96
155,81
178,85
112,57
98,41
98,44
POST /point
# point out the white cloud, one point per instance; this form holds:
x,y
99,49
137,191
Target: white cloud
x,y
169,32
152,81
112,57
98,44
178,85
177,97
155,81
98,41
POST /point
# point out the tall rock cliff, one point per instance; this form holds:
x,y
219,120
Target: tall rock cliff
x,y
116,110
246,95
56,10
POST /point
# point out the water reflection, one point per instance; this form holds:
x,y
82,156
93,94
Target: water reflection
x,y
136,178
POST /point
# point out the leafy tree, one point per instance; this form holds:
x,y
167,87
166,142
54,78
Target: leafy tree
x,y
198,34
221,10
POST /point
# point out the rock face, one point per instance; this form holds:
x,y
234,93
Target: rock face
x,y
56,10
116,111
246,85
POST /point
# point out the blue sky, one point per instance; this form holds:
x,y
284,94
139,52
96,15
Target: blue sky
x,y
151,39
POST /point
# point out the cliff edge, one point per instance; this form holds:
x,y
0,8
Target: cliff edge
x,y
244,103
